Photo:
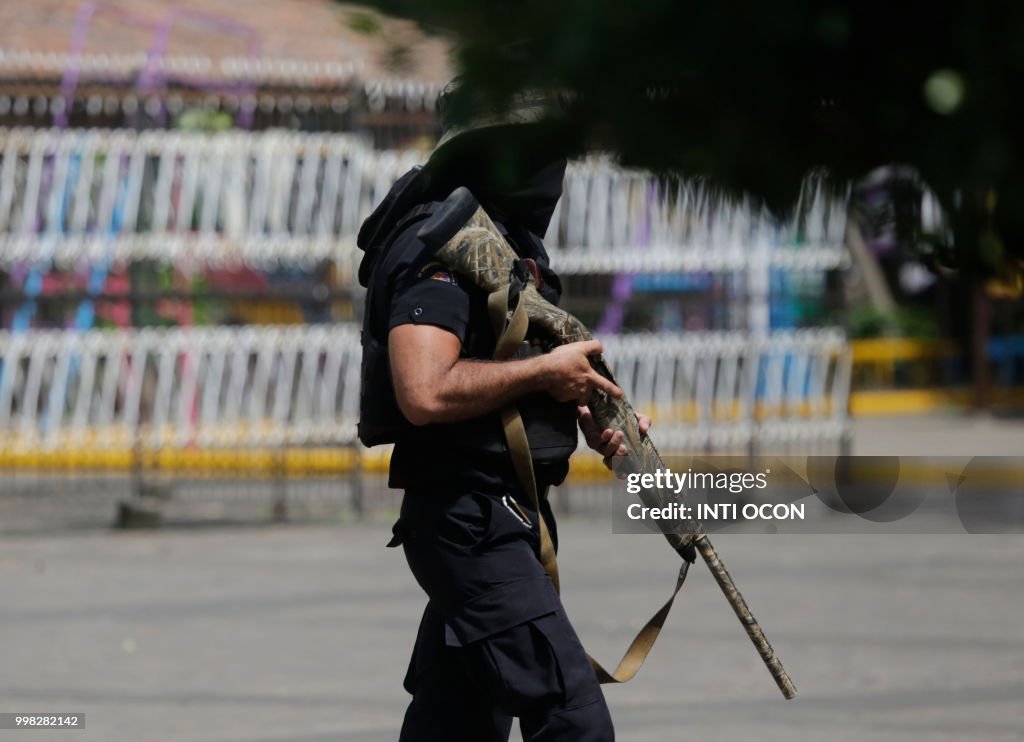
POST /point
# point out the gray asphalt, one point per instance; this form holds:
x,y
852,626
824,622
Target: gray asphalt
x,y
302,633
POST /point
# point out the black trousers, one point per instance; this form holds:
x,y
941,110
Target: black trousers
x,y
494,642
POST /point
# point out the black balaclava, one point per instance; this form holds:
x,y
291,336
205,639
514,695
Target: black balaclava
x,y
516,173
525,194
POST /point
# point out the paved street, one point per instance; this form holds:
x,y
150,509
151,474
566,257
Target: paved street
x,y
940,434
301,633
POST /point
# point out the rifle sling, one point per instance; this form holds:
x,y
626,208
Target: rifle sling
x,y
510,327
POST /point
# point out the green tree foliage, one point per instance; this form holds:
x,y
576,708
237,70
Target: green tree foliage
x,y
756,94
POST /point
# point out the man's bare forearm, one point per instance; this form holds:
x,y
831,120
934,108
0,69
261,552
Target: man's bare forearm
x,y
471,388
434,385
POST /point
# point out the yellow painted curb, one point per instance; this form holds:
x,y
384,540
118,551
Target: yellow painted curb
x,y
923,401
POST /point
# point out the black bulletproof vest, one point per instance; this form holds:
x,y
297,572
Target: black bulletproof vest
x,y
550,425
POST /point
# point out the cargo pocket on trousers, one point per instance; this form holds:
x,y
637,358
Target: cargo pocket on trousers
x,y
538,664
520,668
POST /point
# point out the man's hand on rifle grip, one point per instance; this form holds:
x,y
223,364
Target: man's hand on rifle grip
x,y
569,377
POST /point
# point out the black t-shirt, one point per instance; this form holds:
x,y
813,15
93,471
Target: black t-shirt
x,y
410,286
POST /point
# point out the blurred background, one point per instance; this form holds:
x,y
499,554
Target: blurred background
x,y
180,188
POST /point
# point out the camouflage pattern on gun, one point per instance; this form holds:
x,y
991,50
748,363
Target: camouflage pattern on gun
x,y
467,241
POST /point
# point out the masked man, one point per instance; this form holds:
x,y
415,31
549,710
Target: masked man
x,y
494,641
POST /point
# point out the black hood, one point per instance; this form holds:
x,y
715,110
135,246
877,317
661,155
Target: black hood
x,y
517,179
529,202
515,172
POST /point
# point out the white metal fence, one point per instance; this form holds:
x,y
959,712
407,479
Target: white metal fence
x,y
614,220
217,387
731,391
278,197
259,199
238,387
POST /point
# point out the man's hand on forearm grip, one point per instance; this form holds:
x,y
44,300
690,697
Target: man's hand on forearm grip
x,y
607,442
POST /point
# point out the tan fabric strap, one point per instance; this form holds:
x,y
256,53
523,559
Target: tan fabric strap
x,y
643,643
510,329
519,448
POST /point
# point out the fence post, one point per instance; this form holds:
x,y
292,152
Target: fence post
x,y
356,491
279,477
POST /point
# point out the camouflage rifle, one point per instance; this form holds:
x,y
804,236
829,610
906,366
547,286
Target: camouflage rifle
x,y
463,237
